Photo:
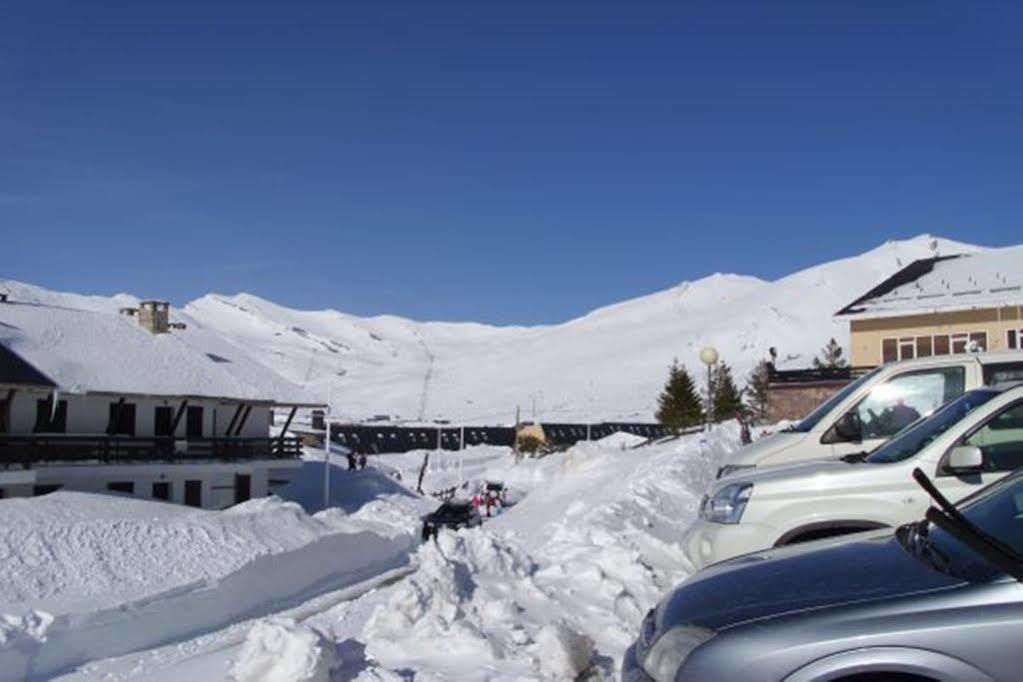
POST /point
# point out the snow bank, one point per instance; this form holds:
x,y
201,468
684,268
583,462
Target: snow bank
x,y
558,584
280,650
93,576
622,440
469,603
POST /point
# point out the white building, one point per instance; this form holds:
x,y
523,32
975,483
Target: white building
x,y
136,404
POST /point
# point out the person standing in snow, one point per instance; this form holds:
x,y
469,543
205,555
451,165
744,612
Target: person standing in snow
x,y
362,461
351,461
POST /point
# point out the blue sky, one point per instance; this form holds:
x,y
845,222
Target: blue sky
x,y
511,162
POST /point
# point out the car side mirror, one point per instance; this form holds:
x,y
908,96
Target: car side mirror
x,y
848,427
965,459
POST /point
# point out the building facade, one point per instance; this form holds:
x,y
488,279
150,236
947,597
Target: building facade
x,y
131,404
940,306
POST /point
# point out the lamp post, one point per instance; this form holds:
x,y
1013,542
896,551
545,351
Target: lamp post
x,y
709,356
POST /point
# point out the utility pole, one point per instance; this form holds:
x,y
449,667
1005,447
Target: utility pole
x,y
326,450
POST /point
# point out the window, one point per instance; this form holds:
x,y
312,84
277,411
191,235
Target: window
x,y
161,490
903,399
1003,372
4,410
193,493
959,342
1000,439
49,420
126,487
163,420
193,422
122,419
1014,339
889,350
923,346
907,348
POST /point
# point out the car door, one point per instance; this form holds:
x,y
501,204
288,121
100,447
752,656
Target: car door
x,y
1000,440
896,403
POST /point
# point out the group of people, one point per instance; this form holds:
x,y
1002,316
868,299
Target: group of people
x,y
355,461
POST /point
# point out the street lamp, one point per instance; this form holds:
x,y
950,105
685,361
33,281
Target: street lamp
x,y
709,356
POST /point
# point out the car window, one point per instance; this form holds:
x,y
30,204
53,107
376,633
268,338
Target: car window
x,y
903,399
824,408
921,434
1003,372
1000,439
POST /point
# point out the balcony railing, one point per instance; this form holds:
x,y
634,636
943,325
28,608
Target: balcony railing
x,y
33,448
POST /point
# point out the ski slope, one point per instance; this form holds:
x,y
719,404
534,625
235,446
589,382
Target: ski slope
x,y
607,365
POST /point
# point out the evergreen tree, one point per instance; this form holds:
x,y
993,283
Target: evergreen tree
x,y
756,391
830,357
726,401
678,406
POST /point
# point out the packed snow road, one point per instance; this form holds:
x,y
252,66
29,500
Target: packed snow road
x,y
552,588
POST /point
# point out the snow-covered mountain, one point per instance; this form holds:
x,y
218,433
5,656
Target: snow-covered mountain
x,y
608,364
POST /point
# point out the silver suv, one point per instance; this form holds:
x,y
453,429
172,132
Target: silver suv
x,y
940,599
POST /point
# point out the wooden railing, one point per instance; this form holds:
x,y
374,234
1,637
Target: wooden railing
x,y
44,447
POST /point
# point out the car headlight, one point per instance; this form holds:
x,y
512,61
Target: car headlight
x,y
671,649
727,504
732,468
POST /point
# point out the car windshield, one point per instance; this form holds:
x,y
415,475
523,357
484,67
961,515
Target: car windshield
x,y
998,511
810,420
453,510
922,432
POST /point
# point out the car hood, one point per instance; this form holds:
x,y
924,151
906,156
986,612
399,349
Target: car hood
x,y
792,579
784,472
754,453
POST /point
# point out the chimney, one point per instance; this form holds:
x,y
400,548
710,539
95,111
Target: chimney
x,y
154,316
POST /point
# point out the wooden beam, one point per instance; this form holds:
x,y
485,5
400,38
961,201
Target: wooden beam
x,y
241,422
234,419
177,419
287,423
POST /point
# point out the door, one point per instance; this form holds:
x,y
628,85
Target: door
x,y
1000,440
163,419
898,402
193,427
242,487
121,419
193,493
161,490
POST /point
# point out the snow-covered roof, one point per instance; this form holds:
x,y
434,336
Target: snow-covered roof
x,y
981,280
89,351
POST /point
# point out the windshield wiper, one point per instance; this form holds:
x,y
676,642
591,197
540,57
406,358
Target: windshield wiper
x,y
952,521
855,457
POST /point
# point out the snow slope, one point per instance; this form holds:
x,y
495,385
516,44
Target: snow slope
x,y
608,364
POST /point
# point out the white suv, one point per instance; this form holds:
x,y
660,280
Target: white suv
x,y
873,408
967,444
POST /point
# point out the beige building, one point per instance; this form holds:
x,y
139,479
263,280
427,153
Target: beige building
x,y
940,306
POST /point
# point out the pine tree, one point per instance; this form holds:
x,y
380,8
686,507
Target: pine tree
x,y
756,391
725,398
830,357
678,406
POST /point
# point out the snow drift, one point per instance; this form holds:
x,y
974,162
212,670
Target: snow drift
x,y
92,576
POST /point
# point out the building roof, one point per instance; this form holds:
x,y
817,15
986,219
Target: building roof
x,y
88,351
15,371
946,283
